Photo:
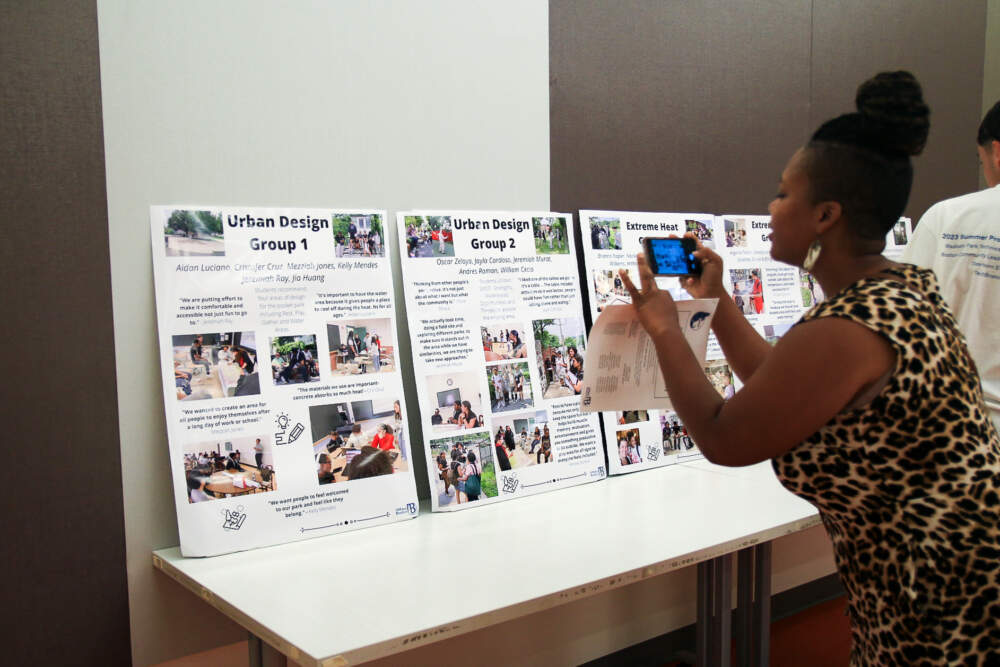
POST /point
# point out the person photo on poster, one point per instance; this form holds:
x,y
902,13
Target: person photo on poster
x,y
748,290
605,233
294,359
361,346
503,341
701,229
215,365
355,440
464,468
631,417
517,439
358,235
550,236
736,233
217,469
610,288
429,236
509,386
457,401
560,345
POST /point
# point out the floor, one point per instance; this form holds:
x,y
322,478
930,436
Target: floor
x,y
818,636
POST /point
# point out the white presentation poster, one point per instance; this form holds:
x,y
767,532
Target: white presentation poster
x,y
642,438
773,296
281,383
499,342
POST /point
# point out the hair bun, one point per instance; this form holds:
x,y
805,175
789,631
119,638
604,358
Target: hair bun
x,y
892,105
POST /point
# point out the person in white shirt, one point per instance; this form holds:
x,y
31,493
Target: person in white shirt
x,y
959,239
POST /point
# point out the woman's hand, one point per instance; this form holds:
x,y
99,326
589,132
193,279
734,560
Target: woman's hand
x,y
655,308
709,283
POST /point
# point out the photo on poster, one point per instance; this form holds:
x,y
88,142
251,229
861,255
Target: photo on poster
x,y
559,350
629,447
701,230
521,439
736,232
457,403
503,341
748,290
229,467
609,287
550,236
772,332
294,359
674,434
812,293
356,439
358,235
189,233
605,233
361,346
899,232
464,469
510,386
721,377
429,236
631,417
215,365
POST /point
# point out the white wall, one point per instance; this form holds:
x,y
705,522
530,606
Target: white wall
x,y
392,104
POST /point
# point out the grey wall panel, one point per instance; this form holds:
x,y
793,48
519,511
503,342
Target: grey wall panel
x,y
943,44
680,106
63,549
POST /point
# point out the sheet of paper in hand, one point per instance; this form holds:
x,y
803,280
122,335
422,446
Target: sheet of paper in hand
x,y
624,373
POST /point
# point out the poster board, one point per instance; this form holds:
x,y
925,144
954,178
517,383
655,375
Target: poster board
x,y
498,338
773,296
281,383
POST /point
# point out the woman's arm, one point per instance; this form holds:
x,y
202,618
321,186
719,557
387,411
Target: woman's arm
x,y
815,370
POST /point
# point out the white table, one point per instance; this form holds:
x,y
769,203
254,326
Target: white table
x,y
606,535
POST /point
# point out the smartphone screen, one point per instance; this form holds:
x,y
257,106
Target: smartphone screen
x,y
672,257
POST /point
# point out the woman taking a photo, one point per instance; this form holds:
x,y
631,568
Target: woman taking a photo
x,y
882,423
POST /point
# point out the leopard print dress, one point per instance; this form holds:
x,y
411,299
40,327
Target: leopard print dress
x,y
908,487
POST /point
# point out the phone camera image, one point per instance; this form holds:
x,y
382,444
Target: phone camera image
x,y
671,256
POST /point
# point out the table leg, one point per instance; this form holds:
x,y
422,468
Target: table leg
x,y
254,644
713,629
753,606
263,655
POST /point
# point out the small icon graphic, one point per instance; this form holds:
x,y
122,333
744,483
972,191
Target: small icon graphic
x,y
233,519
283,436
653,453
510,483
698,319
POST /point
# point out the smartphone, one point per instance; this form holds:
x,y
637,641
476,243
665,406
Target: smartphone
x,y
672,257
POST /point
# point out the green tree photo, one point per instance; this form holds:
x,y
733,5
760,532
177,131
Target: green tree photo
x,y
194,223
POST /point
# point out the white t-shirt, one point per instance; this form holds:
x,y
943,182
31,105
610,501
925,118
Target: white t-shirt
x,y
960,240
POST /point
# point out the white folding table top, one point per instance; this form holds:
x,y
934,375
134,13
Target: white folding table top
x,y
596,536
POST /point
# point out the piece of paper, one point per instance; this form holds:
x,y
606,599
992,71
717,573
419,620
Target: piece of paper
x,y
498,340
276,333
624,372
